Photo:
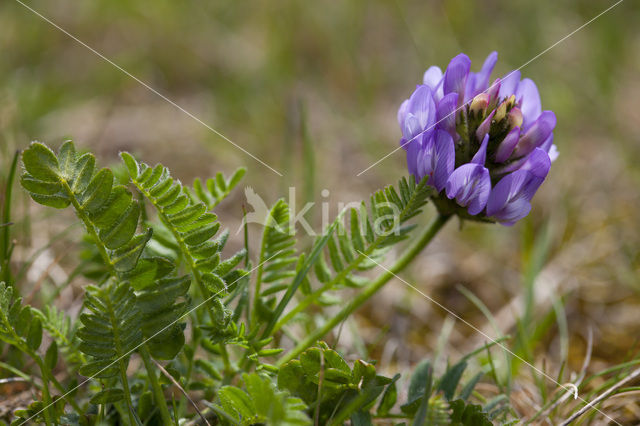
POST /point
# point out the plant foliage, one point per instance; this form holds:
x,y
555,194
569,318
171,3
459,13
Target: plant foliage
x,y
261,402
192,228
147,239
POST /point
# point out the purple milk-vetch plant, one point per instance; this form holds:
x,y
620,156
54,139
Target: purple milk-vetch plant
x,y
485,148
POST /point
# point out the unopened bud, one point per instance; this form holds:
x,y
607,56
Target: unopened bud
x,y
515,117
479,103
501,111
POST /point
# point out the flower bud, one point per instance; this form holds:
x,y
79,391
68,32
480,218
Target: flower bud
x,y
515,117
479,103
501,112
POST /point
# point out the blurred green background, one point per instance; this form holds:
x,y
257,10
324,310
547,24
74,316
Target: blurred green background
x,y
312,88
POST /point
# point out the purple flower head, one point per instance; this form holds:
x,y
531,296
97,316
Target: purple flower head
x,y
485,147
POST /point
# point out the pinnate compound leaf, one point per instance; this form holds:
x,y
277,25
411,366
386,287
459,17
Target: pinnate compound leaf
x,y
108,211
189,230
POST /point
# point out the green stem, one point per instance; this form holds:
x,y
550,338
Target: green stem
x,y
47,375
155,385
6,218
225,357
63,391
127,393
256,293
355,303
46,396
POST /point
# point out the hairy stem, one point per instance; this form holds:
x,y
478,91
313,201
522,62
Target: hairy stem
x,y
155,385
91,229
371,289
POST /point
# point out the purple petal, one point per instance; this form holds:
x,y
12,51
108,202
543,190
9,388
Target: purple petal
x,y
494,89
505,190
485,126
529,99
509,84
444,154
402,112
479,82
546,145
537,134
437,159
538,163
410,127
446,113
481,155
469,90
423,160
513,212
433,78
413,150
508,202
549,147
507,145
487,68
470,185
422,106
455,77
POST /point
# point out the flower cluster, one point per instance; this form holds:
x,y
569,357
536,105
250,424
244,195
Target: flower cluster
x,y
485,148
